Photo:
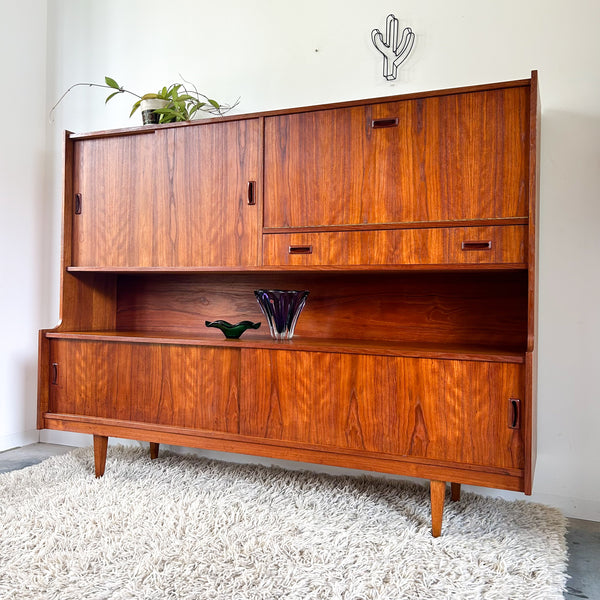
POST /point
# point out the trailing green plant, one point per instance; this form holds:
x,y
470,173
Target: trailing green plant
x,y
183,100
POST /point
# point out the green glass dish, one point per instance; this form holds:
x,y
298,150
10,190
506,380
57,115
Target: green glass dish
x,y
232,332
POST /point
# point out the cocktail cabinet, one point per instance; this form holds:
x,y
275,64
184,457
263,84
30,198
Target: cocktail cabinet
x,y
411,220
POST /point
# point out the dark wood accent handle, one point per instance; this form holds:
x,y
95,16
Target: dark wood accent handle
x,y
514,413
381,123
77,204
54,380
477,245
251,193
300,250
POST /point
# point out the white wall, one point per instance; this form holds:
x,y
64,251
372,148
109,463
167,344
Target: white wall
x,y
279,54
22,213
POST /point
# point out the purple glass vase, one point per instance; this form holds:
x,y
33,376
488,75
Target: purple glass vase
x,y
281,309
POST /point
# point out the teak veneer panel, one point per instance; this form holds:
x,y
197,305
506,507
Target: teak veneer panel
x,y
447,410
449,246
178,197
453,157
184,386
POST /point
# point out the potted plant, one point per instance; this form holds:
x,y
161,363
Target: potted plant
x,y
175,102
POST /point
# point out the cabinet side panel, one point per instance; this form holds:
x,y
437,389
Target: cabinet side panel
x,y
43,382
533,276
89,301
530,420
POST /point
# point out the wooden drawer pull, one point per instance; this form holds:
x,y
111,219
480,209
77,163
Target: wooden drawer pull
x,y
250,191
476,245
514,413
300,250
54,373
381,123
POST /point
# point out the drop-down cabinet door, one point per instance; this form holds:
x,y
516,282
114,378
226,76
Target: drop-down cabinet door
x,y
446,158
173,197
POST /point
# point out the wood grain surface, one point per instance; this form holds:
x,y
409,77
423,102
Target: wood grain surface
x,y
436,246
469,309
175,198
171,385
460,156
447,410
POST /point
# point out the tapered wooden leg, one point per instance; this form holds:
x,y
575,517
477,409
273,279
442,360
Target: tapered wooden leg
x,y
437,492
154,450
100,447
455,492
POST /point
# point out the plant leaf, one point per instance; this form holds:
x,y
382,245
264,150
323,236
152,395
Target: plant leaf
x,y
135,107
112,83
111,96
167,112
214,103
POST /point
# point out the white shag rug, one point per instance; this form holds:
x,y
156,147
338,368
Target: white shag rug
x,y
187,527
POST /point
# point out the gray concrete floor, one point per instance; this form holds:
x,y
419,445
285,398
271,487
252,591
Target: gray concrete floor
x,y
19,458
583,537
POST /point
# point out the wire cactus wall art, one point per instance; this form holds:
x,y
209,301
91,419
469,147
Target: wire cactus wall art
x,y
395,51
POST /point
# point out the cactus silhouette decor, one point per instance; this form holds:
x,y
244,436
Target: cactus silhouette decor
x,y
395,51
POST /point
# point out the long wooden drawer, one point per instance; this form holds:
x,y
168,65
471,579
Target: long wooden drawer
x,y
505,244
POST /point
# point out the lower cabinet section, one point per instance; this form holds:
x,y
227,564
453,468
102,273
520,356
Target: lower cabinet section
x,y
461,412
443,419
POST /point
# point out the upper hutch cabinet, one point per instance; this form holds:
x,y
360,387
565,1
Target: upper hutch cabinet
x,y
177,197
451,157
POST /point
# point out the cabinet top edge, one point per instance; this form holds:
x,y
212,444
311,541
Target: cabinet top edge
x,y
147,129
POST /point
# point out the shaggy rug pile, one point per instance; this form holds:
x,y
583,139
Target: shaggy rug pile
x,y
187,527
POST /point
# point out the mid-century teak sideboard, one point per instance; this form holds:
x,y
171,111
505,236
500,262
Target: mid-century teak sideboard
x,y
410,219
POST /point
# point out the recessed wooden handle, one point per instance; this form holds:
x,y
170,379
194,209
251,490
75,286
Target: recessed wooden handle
x,y
477,245
381,123
514,413
77,204
251,193
300,250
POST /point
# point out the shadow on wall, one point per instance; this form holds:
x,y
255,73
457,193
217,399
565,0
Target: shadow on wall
x,y
569,239
569,320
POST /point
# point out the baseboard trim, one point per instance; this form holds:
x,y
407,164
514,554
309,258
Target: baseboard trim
x,y
576,508
21,438
65,438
